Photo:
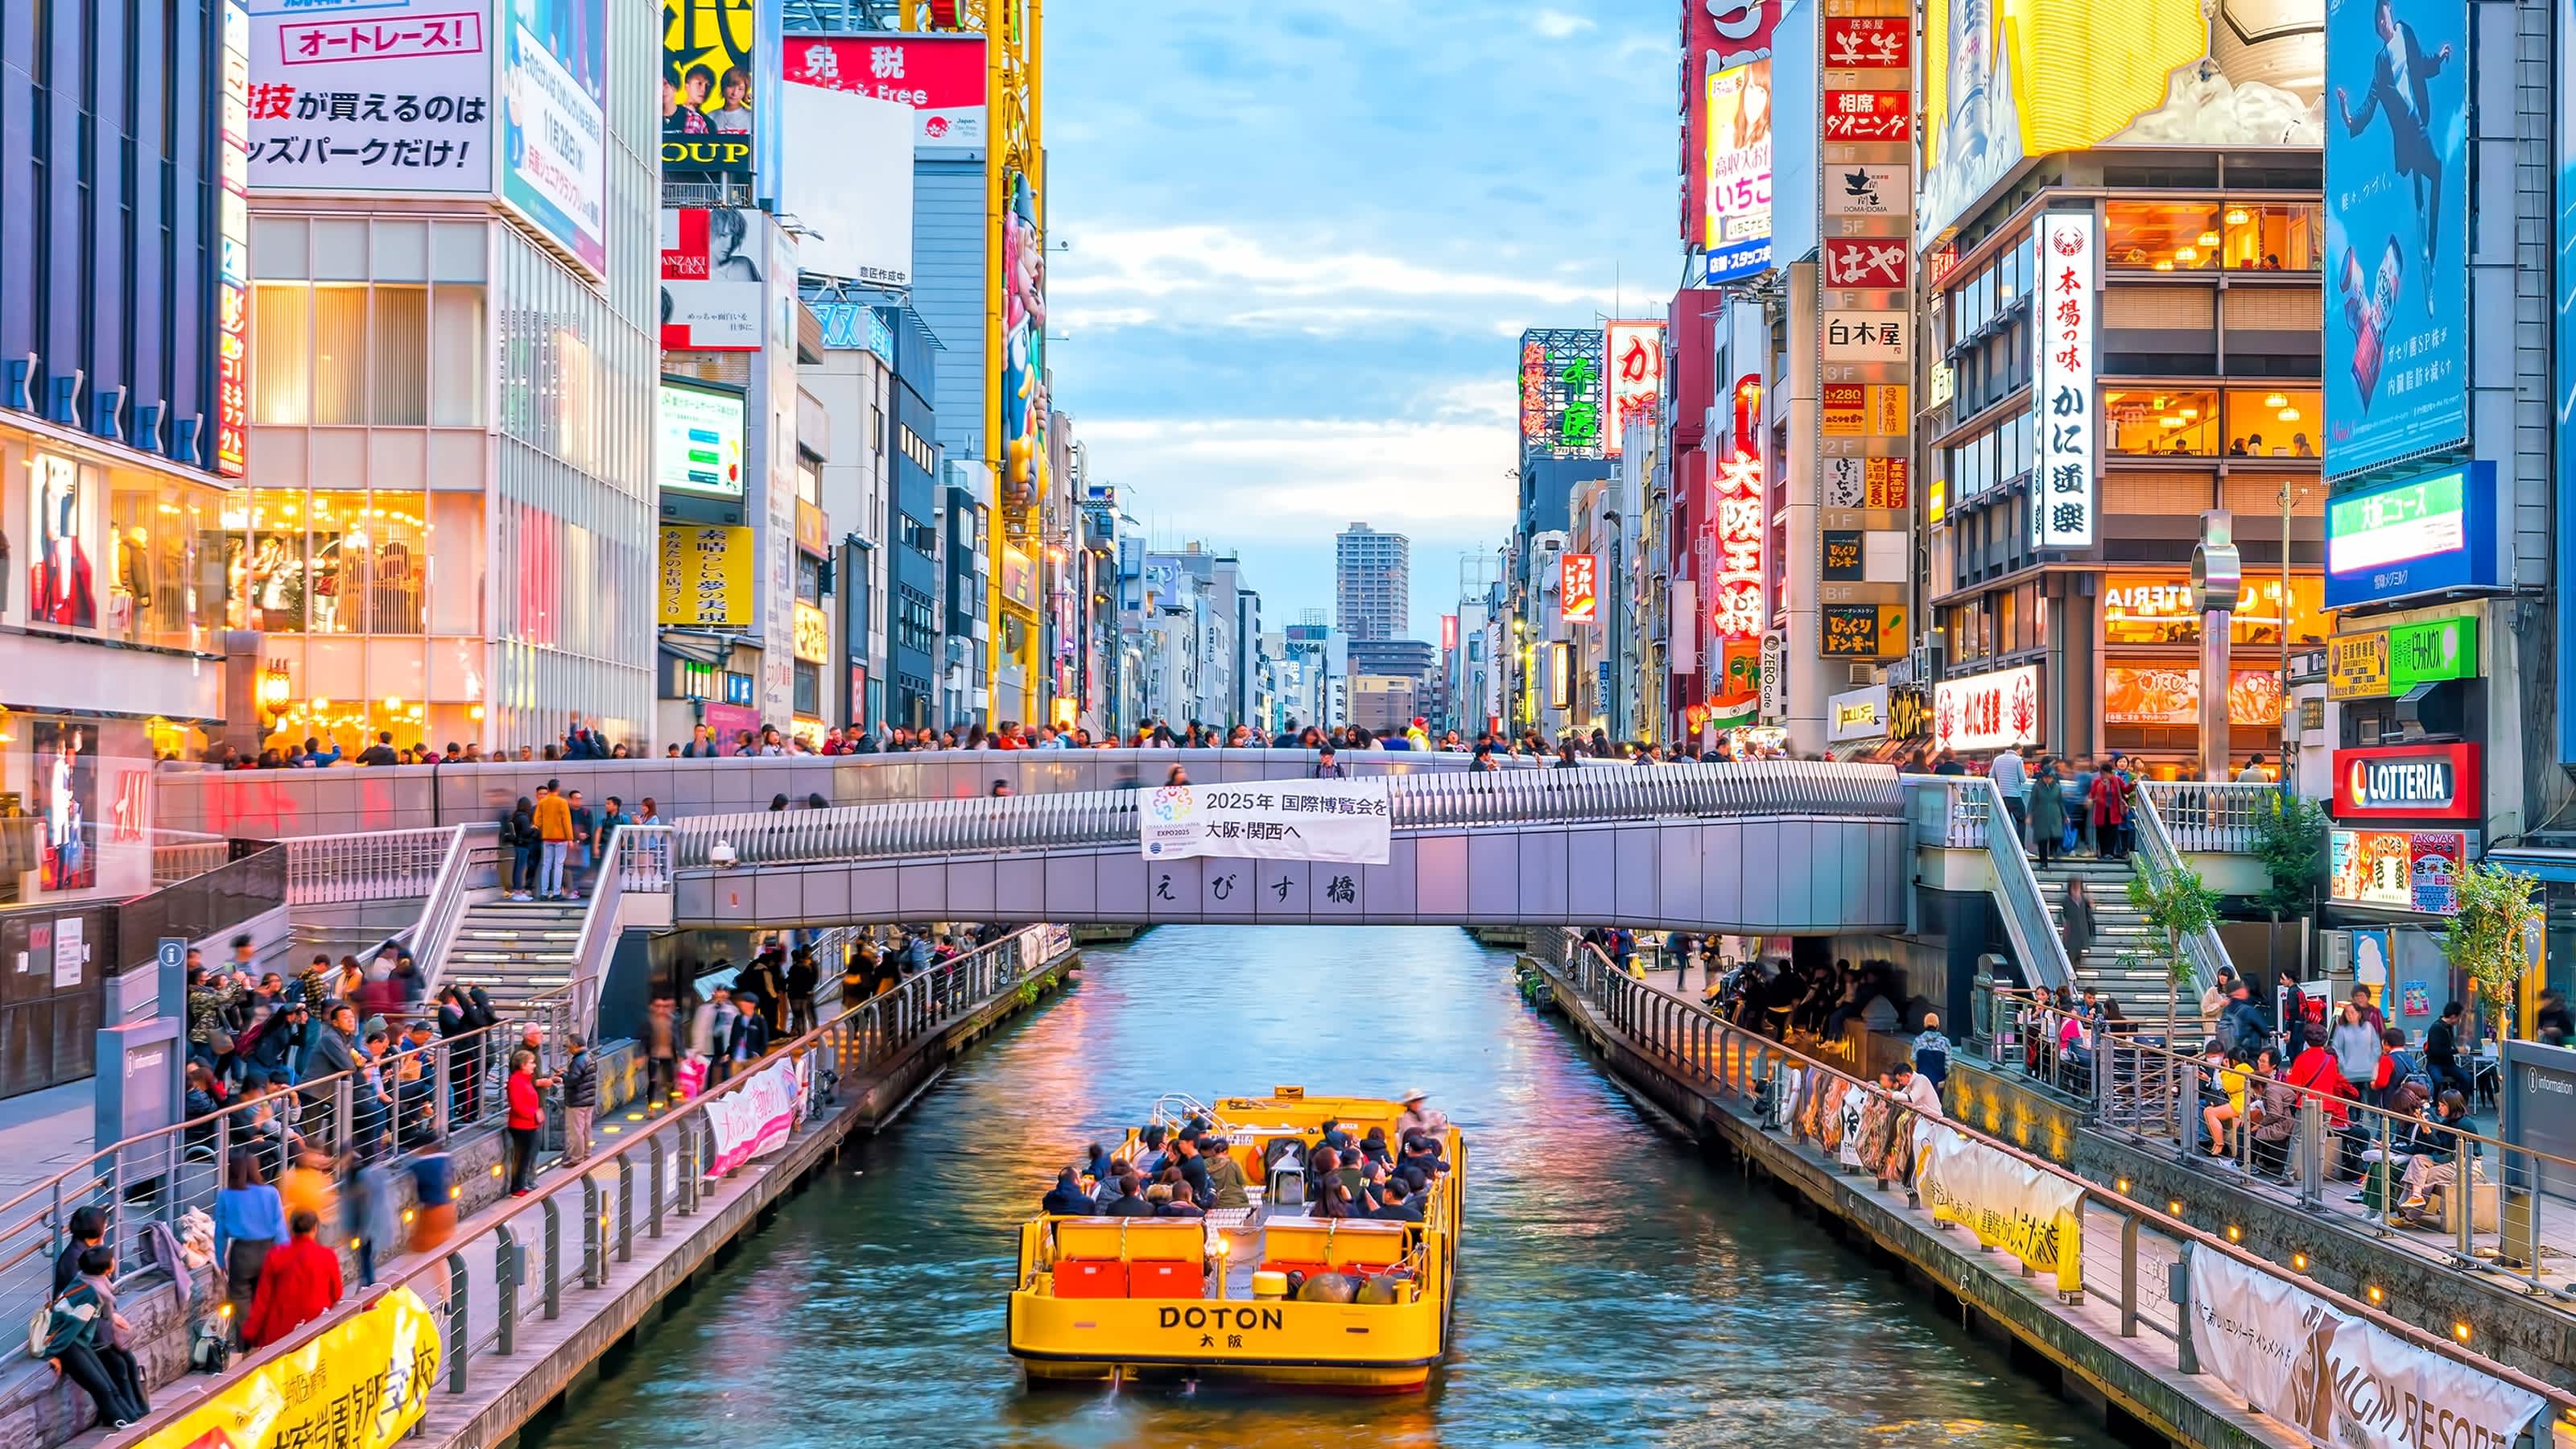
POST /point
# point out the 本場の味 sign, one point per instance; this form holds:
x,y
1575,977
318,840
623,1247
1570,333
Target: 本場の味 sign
x,y
1336,820
2061,509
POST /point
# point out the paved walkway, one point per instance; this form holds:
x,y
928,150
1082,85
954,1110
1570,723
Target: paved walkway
x,y
42,1133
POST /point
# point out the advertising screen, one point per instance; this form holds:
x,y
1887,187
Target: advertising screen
x,y
1737,230
700,447
2417,536
395,98
1024,388
1717,35
554,122
2401,870
2007,80
941,78
709,104
850,184
67,793
710,281
1987,711
2397,195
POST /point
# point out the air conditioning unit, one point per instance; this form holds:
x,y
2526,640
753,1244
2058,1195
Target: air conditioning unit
x,y
1861,676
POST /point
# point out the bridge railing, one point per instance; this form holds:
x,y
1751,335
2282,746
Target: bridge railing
x,y
2210,817
638,862
1961,812
1696,1047
576,1227
1416,802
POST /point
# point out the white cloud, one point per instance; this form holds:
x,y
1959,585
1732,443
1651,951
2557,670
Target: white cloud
x,y
1203,277
1242,479
1557,25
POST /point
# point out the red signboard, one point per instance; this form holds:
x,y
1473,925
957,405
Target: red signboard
x,y
1859,261
942,77
1868,43
1868,116
1717,34
1578,587
2409,782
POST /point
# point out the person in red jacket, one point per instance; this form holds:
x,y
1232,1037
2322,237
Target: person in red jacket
x,y
299,1283
2315,1074
527,1115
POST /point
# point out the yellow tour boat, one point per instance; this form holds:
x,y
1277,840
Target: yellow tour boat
x,y
1266,1295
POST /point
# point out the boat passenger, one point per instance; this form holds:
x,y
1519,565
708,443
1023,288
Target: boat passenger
x,y
1151,1140
1396,1204
1374,1148
1185,1160
1225,1175
1167,1202
1131,1201
1066,1197
1418,1119
1334,1201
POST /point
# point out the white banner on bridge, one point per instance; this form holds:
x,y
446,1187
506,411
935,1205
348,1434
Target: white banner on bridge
x,y
2006,1203
757,1118
2343,1380
1338,820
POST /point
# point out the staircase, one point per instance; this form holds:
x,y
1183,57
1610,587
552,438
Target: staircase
x,y
2118,931
515,950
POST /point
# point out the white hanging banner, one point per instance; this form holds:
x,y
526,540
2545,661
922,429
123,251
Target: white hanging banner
x,y
1338,820
757,1118
2343,1380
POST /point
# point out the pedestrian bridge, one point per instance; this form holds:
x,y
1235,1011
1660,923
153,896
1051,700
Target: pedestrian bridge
x,y
1756,848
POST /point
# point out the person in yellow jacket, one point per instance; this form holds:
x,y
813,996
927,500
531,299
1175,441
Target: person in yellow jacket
x,y
554,831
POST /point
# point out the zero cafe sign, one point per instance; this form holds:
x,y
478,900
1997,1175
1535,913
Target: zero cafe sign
x,y
2415,782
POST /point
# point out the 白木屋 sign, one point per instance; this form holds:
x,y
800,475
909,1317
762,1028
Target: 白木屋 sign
x,y
1340,820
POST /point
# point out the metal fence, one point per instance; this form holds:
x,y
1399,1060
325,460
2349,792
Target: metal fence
x,y
2211,816
518,1266
1699,1049
158,1177
233,894
1958,812
375,865
1416,802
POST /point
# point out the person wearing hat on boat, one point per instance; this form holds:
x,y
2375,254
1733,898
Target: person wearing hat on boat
x,y
1066,1199
1418,1120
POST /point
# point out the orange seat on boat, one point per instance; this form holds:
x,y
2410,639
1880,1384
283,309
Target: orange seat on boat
x,y
1090,1278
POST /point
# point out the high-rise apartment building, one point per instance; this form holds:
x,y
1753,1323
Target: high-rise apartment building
x,y
1372,573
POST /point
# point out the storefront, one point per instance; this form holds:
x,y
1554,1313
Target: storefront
x,y
2405,824
2151,680
1880,724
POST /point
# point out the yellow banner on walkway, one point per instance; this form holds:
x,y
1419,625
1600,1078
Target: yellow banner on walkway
x,y
2036,1216
360,1385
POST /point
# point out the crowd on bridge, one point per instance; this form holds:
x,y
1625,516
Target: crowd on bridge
x,y
1191,1171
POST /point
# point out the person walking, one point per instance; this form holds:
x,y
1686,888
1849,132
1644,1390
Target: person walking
x,y
520,845
2075,922
660,1050
297,1284
2047,811
250,1221
2007,775
2109,798
802,980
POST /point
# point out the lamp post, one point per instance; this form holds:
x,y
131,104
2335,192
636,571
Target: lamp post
x,y
2217,578
275,688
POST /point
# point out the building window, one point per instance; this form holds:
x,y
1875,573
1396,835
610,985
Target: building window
x,y
349,354
809,690
2145,424
2274,237
2272,423
2161,236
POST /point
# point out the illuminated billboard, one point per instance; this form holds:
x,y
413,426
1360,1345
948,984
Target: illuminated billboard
x,y
554,123
2397,266
2062,381
1578,589
1736,186
941,77
1717,36
1564,395
1024,387
2007,80
700,441
710,108
2421,535
1635,355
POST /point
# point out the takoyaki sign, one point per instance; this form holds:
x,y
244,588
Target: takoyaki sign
x,y
1337,820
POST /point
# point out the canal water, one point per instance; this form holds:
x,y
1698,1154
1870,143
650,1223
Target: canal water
x,y
1616,1288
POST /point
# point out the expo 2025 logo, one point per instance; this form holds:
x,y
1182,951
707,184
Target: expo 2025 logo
x,y
1173,804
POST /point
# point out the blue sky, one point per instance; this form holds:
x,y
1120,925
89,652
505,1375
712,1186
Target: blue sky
x,y
1304,236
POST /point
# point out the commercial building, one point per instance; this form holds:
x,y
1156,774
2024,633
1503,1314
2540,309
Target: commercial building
x,y
446,529
122,411
1372,583
1316,658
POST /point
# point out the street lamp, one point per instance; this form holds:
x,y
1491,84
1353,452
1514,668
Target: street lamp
x,y
275,688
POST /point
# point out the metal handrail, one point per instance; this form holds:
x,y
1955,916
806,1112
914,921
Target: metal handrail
x,y
1706,1048
667,1155
2211,816
158,1176
1972,806
442,911
2161,862
638,860
1415,802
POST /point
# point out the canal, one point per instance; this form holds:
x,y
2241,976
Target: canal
x,y
1615,1287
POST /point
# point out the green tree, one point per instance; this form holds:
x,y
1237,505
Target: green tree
x,y
2485,940
2290,840
2176,906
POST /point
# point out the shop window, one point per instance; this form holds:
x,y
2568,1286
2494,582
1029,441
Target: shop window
x,y
398,357
388,557
339,355
2272,423
2161,236
281,353
2160,424
264,566
2274,237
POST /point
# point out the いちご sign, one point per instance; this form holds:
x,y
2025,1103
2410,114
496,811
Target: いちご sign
x,y
2434,782
1334,820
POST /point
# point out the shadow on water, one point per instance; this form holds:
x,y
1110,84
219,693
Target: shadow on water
x,y
1616,1288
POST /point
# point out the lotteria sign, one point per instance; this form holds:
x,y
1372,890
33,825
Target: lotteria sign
x,y
2414,782
2425,535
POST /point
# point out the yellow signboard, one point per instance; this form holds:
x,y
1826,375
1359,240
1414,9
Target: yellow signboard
x,y
706,576
2357,665
362,1384
813,641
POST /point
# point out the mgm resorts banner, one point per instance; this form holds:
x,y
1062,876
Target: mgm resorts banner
x,y
360,1384
1339,820
2346,1382
2036,1216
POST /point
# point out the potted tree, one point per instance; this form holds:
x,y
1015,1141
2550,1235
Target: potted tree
x,y
2485,939
2176,906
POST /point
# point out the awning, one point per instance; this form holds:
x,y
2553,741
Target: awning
x,y
2537,862
1880,751
707,649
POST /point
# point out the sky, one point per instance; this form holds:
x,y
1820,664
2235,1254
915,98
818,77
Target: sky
x,y
1299,241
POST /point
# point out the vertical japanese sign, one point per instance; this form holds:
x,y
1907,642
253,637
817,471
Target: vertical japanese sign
x,y
395,98
1738,607
1564,393
2062,392
1865,347
1726,128
232,267
1578,587
1636,361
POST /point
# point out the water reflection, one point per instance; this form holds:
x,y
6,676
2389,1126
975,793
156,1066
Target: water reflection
x,y
1615,1288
